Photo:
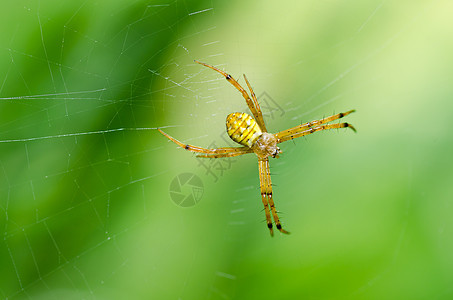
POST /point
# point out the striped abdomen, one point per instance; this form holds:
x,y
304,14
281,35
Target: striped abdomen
x,y
243,129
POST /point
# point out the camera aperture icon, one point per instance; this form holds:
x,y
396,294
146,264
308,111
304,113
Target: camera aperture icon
x,y
186,189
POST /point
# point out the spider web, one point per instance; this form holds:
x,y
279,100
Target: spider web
x,y
80,103
85,178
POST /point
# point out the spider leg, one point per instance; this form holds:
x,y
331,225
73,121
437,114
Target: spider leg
x,y
252,104
212,153
259,114
266,196
286,134
239,151
294,135
263,187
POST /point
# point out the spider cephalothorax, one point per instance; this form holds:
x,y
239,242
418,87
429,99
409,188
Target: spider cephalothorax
x,y
252,134
266,145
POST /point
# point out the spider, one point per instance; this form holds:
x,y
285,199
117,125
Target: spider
x,y
252,134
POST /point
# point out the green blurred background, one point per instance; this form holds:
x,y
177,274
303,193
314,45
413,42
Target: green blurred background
x,y
85,209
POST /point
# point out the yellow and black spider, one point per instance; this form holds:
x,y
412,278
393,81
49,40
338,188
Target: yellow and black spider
x,y
252,134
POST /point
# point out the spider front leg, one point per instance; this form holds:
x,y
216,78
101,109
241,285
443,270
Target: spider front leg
x,y
313,126
314,129
266,196
210,153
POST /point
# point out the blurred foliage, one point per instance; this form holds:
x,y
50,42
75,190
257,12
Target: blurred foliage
x,y
85,208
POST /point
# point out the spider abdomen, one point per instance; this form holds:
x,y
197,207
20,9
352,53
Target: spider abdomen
x,y
243,129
